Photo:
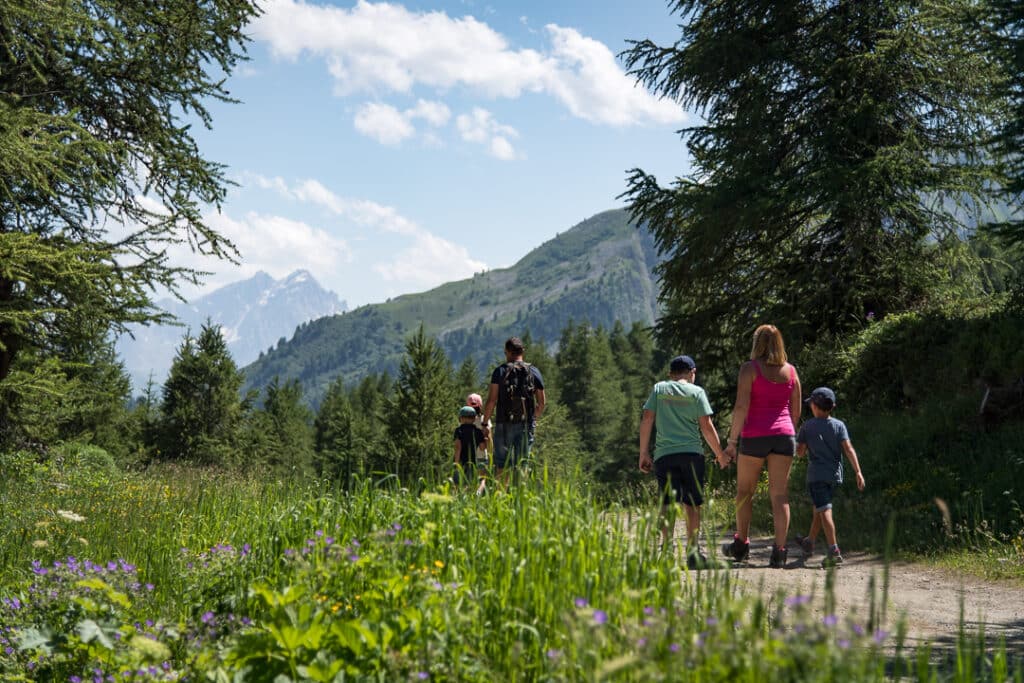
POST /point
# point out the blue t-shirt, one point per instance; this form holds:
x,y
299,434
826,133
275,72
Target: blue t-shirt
x,y
824,437
501,409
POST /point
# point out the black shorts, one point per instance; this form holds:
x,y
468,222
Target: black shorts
x,y
763,446
683,474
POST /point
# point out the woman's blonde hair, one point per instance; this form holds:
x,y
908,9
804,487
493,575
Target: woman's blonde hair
x,y
768,346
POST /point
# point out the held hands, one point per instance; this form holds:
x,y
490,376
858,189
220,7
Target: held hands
x,y
723,459
730,453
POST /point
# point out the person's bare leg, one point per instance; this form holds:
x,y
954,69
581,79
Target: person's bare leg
x,y
692,526
778,489
748,471
815,526
829,525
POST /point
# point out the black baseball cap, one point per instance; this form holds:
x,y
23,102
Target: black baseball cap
x,y
681,364
823,397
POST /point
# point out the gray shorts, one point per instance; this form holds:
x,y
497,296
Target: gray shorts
x,y
763,446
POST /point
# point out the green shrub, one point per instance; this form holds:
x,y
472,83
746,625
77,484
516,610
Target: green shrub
x,y
84,457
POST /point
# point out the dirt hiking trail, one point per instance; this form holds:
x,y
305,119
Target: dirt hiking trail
x,y
929,599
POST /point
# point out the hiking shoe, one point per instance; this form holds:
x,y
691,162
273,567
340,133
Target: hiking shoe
x,y
806,545
696,560
738,550
778,558
834,557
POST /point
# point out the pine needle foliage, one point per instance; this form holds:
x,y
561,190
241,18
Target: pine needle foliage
x,y
839,144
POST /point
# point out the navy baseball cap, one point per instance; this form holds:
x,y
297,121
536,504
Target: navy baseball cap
x,y
681,364
823,397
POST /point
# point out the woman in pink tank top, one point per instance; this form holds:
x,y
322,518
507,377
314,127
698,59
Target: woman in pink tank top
x,y
763,432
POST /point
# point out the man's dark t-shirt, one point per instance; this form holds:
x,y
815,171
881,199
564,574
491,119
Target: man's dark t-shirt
x,y
471,436
502,407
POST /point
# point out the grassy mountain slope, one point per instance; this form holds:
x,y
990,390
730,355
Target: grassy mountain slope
x,y
599,271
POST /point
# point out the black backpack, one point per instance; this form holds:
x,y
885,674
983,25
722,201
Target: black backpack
x,y
517,387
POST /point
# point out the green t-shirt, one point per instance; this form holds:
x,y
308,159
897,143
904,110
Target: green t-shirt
x,y
677,407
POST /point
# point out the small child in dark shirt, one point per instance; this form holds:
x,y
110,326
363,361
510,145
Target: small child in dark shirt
x,y
468,437
827,440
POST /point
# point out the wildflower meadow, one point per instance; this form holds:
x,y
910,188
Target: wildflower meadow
x,y
183,574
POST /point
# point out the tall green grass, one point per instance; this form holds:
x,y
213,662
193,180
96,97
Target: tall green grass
x,y
264,579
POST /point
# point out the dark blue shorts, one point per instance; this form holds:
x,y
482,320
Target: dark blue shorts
x,y
763,446
821,494
681,478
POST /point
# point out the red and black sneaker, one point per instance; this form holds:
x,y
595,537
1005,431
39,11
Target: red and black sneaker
x,y
778,558
738,550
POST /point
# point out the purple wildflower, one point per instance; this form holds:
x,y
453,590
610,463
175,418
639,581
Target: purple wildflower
x,y
674,647
830,620
423,675
843,643
554,654
208,617
581,602
880,636
797,600
600,616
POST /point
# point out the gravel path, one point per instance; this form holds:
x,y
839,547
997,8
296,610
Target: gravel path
x,y
929,599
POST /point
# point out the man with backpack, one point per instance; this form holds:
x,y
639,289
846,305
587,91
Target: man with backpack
x,y
515,400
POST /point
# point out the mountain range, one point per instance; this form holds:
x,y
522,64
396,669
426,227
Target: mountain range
x,y
599,272
253,315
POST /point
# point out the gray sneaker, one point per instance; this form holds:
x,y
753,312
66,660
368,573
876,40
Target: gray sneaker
x,y
834,557
806,545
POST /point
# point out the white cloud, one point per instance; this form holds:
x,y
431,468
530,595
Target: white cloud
x,y
383,47
427,261
383,123
389,126
479,126
434,113
273,244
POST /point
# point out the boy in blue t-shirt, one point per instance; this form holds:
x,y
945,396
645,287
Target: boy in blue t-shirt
x,y
826,439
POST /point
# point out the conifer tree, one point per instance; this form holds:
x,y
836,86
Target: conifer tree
x,y
835,141
286,423
1007,43
337,455
421,413
99,170
201,411
591,386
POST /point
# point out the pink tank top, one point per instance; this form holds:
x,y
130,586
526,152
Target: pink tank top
x,y
769,406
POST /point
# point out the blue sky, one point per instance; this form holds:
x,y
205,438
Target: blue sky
x,y
390,147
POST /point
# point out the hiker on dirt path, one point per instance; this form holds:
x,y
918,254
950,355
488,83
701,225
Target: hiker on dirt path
x,y
763,431
515,399
681,412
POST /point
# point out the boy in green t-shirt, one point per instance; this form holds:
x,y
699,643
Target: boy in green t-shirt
x,y
681,412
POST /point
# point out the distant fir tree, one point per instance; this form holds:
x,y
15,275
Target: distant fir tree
x,y
422,410
591,387
99,170
286,425
337,455
201,412
467,379
835,140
